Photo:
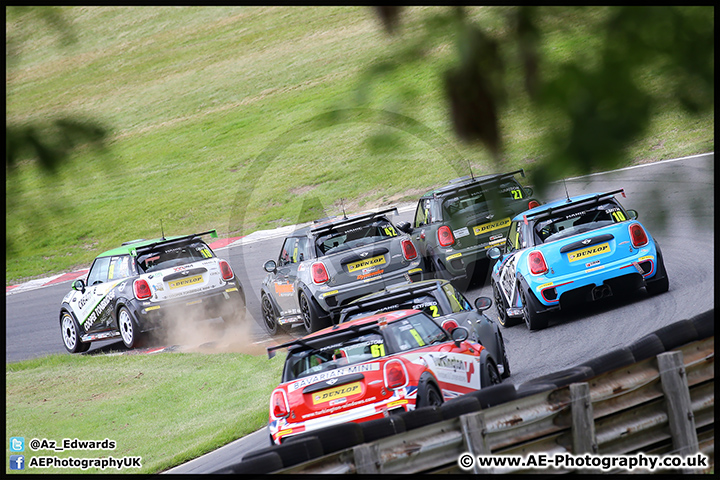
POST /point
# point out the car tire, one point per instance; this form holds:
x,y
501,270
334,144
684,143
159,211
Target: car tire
x,y
501,307
70,331
613,360
267,463
428,394
489,375
311,319
506,363
334,437
646,347
494,395
677,334
270,320
421,416
382,427
533,320
662,285
129,331
459,406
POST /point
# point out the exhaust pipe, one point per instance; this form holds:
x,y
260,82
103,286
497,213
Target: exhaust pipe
x,y
601,292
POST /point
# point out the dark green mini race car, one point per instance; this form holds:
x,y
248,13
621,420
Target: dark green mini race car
x,y
145,284
455,225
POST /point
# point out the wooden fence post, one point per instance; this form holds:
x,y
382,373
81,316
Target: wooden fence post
x,y
679,406
583,425
366,458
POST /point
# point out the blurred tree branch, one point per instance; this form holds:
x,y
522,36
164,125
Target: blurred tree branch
x,y
603,107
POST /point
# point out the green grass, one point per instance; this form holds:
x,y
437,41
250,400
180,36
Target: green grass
x,y
193,96
167,408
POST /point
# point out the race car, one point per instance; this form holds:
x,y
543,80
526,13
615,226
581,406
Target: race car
x,y
144,284
443,303
455,225
569,251
323,266
372,367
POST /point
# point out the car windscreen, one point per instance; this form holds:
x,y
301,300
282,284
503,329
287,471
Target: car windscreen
x,y
580,220
354,236
475,200
173,255
424,302
353,349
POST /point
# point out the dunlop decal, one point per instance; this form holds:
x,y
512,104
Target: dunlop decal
x,y
489,227
588,252
370,262
336,393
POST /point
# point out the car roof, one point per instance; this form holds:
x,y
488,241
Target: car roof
x,y
129,247
328,223
462,182
391,317
562,203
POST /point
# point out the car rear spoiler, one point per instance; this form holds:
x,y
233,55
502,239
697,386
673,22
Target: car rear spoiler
x,y
572,204
350,221
473,183
308,342
377,303
147,248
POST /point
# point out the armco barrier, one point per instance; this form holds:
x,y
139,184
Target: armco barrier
x,y
633,408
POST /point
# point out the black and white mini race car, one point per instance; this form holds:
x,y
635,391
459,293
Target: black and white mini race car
x,y
143,284
324,266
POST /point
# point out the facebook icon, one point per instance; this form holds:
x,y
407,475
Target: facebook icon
x,y
17,462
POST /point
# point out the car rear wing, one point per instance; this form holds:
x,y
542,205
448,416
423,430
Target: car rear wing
x,y
477,182
345,222
375,304
572,204
325,338
146,248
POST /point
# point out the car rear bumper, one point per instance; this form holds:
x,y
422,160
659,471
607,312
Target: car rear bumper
x,y
603,280
396,403
209,304
457,261
336,298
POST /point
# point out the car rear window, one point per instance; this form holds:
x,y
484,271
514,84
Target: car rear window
x,y
578,221
355,236
173,255
474,200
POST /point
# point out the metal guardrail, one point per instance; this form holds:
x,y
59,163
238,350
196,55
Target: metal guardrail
x,y
654,406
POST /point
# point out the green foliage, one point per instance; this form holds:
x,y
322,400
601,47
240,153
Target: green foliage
x,y
166,408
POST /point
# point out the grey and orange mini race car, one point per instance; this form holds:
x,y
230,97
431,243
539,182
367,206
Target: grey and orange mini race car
x,y
324,266
144,284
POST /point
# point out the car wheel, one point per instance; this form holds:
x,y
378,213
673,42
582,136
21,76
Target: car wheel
x,y
70,331
533,320
428,395
311,319
490,374
662,285
128,329
268,313
501,307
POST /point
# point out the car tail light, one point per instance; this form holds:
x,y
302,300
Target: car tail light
x,y
279,404
449,325
445,236
536,262
319,273
408,250
226,271
141,289
533,204
395,375
638,235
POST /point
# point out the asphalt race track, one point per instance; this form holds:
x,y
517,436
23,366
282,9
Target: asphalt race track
x,y
675,201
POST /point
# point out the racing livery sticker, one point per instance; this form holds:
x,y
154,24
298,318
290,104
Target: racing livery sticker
x,y
489,227
370,262
588,252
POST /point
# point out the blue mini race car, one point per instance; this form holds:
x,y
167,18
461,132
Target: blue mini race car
x,y
569,251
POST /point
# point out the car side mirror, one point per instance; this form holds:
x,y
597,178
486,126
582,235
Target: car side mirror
x,y
483,303
459,335
633,214
79,285
270,266
404,227
494,253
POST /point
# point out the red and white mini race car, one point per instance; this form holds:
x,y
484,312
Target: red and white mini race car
x,y
372,367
